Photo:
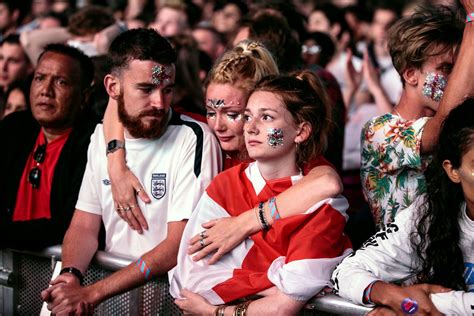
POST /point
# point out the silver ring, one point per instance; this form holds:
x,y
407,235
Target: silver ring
x,y
202,234
132,206
203,244
126,209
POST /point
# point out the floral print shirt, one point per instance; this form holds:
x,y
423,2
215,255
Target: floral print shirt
x,y
391,165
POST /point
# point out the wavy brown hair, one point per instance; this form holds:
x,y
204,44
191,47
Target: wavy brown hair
x,y
430,31
305,97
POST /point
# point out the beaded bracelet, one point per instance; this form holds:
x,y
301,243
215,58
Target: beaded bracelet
x,y
470,17
258,218
263,219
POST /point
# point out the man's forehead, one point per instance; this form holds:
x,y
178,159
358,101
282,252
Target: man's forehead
x,y
58,62
152,71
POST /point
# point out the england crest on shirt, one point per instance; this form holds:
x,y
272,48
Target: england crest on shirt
x,y
158,185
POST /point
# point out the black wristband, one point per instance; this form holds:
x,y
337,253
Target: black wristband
x,y
75,272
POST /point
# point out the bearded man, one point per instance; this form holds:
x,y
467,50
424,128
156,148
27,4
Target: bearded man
x,y
173,156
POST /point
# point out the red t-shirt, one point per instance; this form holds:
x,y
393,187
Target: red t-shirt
x,y
34,203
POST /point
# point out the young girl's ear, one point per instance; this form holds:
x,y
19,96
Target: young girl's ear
x,y
452,173
303,132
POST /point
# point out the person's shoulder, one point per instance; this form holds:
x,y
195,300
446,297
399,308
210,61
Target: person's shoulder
x,y
17,119
188,122
195,131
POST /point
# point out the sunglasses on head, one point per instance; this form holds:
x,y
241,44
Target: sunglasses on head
x,y
35,173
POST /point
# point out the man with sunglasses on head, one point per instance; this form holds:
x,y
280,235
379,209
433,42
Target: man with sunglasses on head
x,y
44,152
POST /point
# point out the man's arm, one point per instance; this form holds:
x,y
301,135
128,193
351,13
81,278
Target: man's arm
x,y
79,246
460,85
159,260
81,240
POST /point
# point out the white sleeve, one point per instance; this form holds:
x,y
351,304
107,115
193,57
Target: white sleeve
x,y
454,302
88,199
189,186
386,256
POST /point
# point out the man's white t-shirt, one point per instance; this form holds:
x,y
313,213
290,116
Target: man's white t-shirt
x,y
174,170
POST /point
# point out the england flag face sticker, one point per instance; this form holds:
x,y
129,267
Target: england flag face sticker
x,y
158,185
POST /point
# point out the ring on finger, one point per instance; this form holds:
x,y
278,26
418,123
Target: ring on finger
x,y
202,242
131,206
126,209
203,234
138,191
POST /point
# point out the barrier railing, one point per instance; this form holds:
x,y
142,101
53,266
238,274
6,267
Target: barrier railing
x,y
23,275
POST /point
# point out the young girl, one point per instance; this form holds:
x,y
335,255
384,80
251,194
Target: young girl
x,y
290,260
431,240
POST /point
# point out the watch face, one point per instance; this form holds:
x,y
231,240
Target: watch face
x,y
112,145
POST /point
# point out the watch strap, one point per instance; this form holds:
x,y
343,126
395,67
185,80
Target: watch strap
x,y
75,272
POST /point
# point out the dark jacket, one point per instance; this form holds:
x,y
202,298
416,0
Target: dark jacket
x,y
19,132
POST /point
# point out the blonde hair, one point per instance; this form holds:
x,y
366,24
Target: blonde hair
x,y
243,66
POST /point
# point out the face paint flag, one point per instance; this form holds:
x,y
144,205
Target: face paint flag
x,y
160,75
275,137
434,86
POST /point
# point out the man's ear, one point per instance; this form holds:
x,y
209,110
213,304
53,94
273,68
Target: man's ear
x,y
303,132
410,75
452,173
112,86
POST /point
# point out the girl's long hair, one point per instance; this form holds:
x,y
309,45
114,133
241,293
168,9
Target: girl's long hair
x,y
437,235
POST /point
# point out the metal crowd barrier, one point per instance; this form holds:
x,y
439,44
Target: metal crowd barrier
x,y
23,275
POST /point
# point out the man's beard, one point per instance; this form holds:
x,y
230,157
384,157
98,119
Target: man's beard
x,y
135,124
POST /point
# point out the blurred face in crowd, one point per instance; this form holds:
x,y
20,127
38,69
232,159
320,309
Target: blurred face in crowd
x,y
224,106
311,52
208,43
7,18
40,7
60,6
170,22
14,65
56,94
227,20
16,101
381,22
146,91
318,22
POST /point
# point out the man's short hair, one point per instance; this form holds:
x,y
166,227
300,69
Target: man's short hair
x,y
13,39
90,20
85,64
140,44
430,31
